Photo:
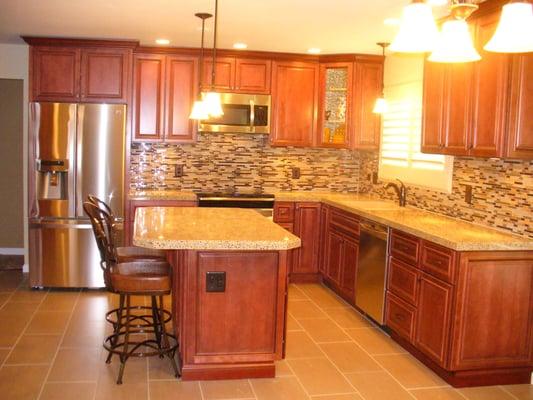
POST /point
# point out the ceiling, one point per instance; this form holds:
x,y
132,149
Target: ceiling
x,y
334,26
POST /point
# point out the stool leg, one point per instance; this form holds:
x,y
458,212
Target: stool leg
x,y
157,324
166,343
116,327
124,356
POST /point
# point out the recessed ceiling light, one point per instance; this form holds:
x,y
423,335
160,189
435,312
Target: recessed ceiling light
x,y
240,46
392,21
313,50
162,41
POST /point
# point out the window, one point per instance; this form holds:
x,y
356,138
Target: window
x,y
400,156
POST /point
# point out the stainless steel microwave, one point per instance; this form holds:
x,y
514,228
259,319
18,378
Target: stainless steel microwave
x,y
243,113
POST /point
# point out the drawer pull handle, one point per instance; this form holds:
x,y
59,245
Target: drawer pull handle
x,y
399,317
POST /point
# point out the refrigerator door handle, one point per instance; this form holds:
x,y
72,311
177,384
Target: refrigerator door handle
x,y
79,161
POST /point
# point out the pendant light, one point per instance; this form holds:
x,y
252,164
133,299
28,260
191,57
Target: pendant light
x,y
199,109
454,44
418,30
212,98
381,106
514,33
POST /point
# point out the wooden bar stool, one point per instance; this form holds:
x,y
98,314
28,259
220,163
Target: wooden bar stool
x,y
137,275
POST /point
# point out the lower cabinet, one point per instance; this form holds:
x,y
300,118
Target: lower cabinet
x,y
334,249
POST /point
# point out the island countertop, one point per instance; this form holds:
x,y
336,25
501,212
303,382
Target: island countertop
x,y
209,229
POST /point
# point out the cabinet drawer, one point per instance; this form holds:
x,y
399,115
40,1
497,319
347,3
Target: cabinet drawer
x,y
405,247
438,261
346,222
400,316
283,212
403,280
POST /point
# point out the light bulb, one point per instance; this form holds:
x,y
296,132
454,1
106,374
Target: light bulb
x,y
199,111
213,104
514,33
381,106
454,44
418,30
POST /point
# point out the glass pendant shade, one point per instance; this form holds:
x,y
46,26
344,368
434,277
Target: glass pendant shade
x,y
515,30
213,104
381,106
418,30
198,111
454,44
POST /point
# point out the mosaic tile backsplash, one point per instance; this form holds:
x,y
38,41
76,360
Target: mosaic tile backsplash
x,y
502,192
241,163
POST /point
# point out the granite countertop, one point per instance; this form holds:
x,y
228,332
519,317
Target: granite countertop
x,y
209,229
162,195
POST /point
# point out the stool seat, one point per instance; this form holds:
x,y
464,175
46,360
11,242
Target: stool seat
x,y
141,277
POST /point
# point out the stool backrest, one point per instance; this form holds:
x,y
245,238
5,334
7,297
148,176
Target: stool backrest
x,y
102,224
100,204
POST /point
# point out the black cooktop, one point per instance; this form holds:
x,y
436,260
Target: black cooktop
x,y
238,200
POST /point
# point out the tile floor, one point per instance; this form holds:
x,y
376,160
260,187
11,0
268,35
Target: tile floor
x,y
50,348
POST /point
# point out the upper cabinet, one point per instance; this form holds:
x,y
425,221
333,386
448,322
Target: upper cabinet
x,y
294,103
238,75
479,109
94,72
165,88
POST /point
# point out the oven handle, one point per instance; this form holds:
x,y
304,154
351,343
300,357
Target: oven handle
x,y
252,115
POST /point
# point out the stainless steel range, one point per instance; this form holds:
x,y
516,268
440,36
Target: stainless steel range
x,y
263,203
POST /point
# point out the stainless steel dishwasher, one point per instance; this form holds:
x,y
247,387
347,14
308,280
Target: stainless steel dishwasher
x,y
371,270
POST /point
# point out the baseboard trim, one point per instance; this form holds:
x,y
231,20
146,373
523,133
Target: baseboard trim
x,y
12,251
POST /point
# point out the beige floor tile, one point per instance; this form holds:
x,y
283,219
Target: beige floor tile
x,y
319,376
349,357
75,365
85,334
11,308
230,389
4,296
437,394
410,372
165,390
68,391
286,388
48,322
12,327
135,371
374,341
34,349
521,392
378,386
283,369
300,345
323,330
351,396
485,393
301,309
28,295
348,318
322,296
126,391
160,368
3,354
59,301
296,293
292,324
22,382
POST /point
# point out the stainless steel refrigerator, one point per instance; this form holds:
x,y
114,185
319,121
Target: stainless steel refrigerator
x,y
75,150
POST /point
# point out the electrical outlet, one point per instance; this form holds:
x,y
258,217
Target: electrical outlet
x,y
178,170
295,172
215,281
375,178
468,194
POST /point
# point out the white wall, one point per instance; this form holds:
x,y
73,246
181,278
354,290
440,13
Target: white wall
x,y
14,65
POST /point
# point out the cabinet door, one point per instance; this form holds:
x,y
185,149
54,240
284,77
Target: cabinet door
x,y
489,98
294,103
433,118
334,105
290,227
225,74
322,241
433,318
181,91
55,74
350,254
334,256
306,227
148,97
252,76
366,89
520,139
105,75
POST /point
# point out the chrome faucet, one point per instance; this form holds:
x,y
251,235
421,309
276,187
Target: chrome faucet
x,y
400,190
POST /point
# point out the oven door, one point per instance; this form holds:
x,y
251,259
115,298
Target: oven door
x,y
242,114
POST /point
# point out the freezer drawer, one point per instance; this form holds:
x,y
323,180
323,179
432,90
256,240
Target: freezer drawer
x,y
64,255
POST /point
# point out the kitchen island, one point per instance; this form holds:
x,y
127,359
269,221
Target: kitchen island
x,y
229,287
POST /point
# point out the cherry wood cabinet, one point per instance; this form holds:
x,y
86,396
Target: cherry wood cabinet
x,y
334,245
165,88
294,103
238,75
367,84
306,227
